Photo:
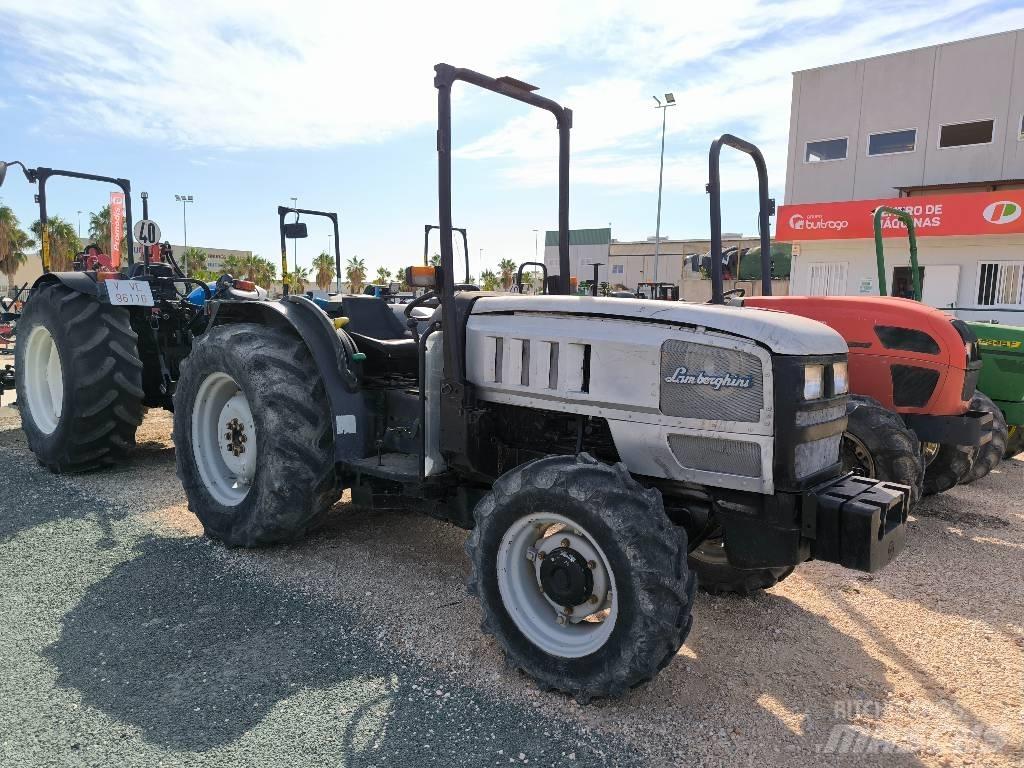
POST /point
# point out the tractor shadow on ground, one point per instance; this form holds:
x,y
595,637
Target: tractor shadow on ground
x,y
196,656
32,499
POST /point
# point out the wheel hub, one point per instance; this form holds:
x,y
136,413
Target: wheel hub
x,y
236,437
566,578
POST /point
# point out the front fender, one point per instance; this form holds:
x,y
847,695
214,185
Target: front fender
x,y
333,353
81,282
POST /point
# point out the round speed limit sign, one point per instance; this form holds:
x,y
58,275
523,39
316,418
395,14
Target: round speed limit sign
x,y
147,232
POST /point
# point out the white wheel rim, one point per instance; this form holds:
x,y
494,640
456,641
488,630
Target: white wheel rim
x,y
44,380
588,626
224,439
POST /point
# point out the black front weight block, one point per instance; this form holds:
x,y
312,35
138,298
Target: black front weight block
x,y
859,523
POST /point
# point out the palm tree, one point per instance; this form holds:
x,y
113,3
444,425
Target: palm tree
x,y
383,275
435,260
489,280
14,242
355,273
296,279
325,271
261,271
234,265
99,230
64,242
506,267
194,262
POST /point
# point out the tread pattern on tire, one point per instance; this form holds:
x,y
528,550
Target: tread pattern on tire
x,y
655,550
99,353
296,482
991,453
895,449
949,467
1015,441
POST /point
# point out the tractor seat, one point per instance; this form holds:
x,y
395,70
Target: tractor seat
x,y
388,345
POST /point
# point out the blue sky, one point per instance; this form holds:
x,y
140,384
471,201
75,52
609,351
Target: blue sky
x,y
245,105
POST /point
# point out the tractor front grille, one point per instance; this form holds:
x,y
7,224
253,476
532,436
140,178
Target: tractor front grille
x,y
699,381
712,454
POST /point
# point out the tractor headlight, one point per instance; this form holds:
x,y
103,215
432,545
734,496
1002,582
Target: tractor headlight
x,y
814,381
840,379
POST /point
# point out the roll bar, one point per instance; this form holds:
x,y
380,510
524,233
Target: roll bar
x,y
283,211
465,244
445,76
524,265
42,175
766,209
908,222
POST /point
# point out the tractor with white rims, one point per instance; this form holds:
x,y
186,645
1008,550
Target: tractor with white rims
x,y
589,443
99,344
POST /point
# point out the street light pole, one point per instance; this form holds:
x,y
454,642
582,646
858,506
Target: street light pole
x,y
79,225
184,200
670,101
295,242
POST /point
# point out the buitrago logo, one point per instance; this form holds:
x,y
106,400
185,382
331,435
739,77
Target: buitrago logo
x,y
714,380
816,221
1001,212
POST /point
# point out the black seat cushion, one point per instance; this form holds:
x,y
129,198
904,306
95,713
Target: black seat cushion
x,y
388,356
370,316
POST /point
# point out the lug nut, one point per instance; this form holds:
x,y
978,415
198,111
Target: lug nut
x,y
592,599
541,555
560,619
531,553
568,610
592,564
565,543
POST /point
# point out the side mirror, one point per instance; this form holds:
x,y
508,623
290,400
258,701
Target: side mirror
x,y
421,277
296,230
3,172
394,288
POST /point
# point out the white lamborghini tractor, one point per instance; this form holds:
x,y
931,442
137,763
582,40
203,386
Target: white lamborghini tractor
x,y
589,443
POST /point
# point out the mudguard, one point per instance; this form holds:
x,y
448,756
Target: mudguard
x,y
332,352
76,281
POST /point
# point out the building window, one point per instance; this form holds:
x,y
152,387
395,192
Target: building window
x,y
826,149
1000,282
618,269
966,134
827,278
892,142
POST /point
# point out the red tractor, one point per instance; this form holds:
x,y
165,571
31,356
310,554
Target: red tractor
x,y
912,369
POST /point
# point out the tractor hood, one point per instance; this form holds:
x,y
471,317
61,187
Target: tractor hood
x,y
782,333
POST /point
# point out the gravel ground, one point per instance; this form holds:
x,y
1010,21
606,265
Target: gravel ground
x,y
129,639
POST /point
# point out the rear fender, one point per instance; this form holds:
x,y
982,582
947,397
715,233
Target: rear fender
x,y
81,282
332,353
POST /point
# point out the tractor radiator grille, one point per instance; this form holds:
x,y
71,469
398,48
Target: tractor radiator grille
x,y
699,381
816,455
712,454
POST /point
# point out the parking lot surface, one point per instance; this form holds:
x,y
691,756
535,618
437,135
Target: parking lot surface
x,y
130,639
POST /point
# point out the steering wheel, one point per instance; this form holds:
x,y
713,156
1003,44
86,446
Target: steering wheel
x,y
741,292
428,299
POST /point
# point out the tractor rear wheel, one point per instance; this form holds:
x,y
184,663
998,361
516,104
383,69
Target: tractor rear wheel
x,y
581,576
79,379
255,447
991,453
878,444
950,466
717,577
1014,440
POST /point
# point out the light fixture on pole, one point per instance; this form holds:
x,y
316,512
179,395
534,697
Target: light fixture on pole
x,y
79,225
184,200
670,101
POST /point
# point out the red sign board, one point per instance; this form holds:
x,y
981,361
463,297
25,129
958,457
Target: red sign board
x,y
976,213
116,227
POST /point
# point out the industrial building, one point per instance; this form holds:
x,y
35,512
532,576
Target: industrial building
x,y
938,131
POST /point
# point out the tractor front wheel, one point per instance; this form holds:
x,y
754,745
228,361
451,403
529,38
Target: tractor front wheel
x,y
1014,440
991,453
878,444
950,466
255,448
581,576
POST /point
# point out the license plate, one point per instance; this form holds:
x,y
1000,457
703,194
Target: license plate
x,y
129,293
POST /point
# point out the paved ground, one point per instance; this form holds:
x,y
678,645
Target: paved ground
x,y
126,638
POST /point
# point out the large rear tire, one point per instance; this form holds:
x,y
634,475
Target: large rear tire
x,y
878,444
991,453
582,577
252,428
79,379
